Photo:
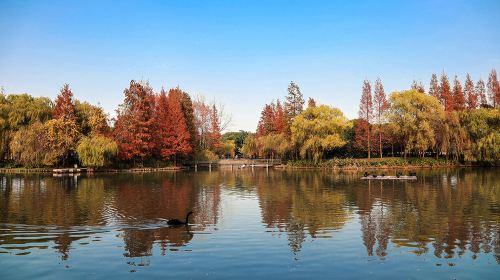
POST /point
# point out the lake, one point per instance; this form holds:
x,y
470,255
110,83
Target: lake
x,y
250,224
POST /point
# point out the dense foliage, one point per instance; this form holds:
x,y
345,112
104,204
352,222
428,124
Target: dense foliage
x,y
449,122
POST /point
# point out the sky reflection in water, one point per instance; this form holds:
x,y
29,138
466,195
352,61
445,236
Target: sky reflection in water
x,y
284,224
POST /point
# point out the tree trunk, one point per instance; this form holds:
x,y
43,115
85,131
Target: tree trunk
x,y
369,143
380,140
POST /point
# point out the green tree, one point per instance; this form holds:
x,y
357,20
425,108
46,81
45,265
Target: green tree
x,y
416,117
96,151
29,145
91,119
319,129
62,137
249,148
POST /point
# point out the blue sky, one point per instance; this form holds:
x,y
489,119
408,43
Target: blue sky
x,y
242,53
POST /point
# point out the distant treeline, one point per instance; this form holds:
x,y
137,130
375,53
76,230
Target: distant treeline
x,y
449,122
150,128
169,127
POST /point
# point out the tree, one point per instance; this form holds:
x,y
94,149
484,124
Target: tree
x,y
173,137
267,124
311,102
416,117
96,151
483,131
366,111
470,93
494,88
188,110
445,95
215,133
481,93
29,145
65,105
434,89
91,119
134,126
380,102
319,129
418,86
62,137
250,148
294,101
458,96
280,123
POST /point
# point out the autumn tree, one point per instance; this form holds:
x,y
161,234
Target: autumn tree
x,y
445,95
366,112
91,119
319,129
294,102
494,89
416,117
311,102
418,86
458,95
470,93
481,93
62,137
280,123
266,123
434,89
65,105
380,106
188,111
96,150
173,137
134,126
215,133
29,145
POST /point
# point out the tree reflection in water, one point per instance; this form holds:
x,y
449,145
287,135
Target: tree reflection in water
x,y
447,213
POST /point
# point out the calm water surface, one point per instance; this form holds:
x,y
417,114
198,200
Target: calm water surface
x,y
249,225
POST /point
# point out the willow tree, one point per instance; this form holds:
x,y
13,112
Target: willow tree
x,y
96,151
319,129
416,117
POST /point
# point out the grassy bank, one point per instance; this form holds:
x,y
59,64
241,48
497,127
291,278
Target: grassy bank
x,y
377,163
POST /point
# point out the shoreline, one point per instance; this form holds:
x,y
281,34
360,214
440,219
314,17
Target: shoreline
x,y
126,170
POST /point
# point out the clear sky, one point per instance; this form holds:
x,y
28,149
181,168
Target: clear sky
x,y
242,53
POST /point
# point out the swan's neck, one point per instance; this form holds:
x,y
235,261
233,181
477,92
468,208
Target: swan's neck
x,y
187,217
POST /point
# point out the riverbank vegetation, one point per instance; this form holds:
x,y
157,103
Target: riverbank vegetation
x,y
449,123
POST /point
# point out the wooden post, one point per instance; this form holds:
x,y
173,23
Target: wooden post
x,y
210,166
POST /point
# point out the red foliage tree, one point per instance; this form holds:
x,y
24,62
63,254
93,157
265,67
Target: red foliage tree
x,y
446,97
366,112
494,88
65,105
380,102
215,133
280,122
470,93
188,111
311,103
172,132
135,123
267,121
458,96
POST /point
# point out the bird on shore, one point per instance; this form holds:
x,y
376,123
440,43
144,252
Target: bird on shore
x,y
176,222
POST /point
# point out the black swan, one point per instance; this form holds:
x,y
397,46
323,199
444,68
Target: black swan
x,y
175,222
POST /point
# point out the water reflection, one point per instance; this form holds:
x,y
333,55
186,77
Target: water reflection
x,y
447,213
